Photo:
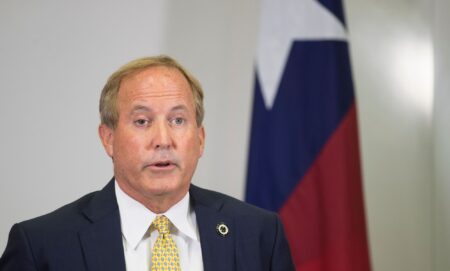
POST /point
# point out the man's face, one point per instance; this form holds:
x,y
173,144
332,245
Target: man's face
x,y
156,143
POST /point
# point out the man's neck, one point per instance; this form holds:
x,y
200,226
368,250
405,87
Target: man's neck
x,y
156,203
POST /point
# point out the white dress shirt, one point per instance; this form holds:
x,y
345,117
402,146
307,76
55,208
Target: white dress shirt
x,y
138,237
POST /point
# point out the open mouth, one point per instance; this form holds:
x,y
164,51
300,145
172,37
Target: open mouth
x,y
162,164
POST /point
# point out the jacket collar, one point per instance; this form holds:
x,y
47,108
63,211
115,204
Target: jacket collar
x,y
217,249
102,239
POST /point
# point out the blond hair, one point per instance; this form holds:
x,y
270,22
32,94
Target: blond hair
x,y
109,114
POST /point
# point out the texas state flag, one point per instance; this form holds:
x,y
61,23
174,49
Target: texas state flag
x,y
304,157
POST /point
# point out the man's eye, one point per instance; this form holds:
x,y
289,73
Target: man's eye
x,y
178,121
141,122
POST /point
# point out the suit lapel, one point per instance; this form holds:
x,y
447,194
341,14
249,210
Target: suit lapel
x,y
218,251
102,240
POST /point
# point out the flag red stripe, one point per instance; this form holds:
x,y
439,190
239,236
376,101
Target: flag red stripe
x,y
324,216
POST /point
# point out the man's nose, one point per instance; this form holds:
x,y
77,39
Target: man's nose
x,y
161,138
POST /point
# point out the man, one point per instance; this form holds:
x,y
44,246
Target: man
x,y
150,216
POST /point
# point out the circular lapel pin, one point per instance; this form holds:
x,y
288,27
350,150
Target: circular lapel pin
x,y
222,229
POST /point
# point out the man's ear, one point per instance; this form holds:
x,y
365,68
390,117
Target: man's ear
x,y
107,137
201,137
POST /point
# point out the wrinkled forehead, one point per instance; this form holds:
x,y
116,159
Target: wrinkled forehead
x,y
151,76
155,84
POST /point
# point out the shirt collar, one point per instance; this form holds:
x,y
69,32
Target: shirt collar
x,y
136,219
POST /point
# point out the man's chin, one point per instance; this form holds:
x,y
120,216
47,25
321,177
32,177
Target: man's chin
x,y
163,188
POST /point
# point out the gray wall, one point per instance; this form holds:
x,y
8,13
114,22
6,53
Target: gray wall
x,y
55,57
442,134
392,51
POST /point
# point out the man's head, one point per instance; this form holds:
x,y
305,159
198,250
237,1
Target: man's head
x,y
151,125
108,98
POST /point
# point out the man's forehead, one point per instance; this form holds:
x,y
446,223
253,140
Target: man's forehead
x,y
158,81
157,72
154,84
157,89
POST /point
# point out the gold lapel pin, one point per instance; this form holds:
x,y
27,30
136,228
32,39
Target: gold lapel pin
x,y
222,229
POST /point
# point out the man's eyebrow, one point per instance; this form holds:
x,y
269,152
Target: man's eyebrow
x,y
180,107
141,108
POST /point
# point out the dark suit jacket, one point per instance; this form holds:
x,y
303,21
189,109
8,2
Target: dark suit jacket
x,y
86,235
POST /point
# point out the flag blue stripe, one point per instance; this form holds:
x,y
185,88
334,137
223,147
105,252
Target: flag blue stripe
x,y
315,93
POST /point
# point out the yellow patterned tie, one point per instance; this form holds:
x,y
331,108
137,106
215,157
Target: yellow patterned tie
x,y
165,251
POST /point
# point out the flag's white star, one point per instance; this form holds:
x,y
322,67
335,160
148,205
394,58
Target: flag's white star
x,y
282,22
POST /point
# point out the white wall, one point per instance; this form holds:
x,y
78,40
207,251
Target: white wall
x,y
54,59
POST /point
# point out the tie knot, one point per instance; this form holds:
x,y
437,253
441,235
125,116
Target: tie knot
x,y
161,223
